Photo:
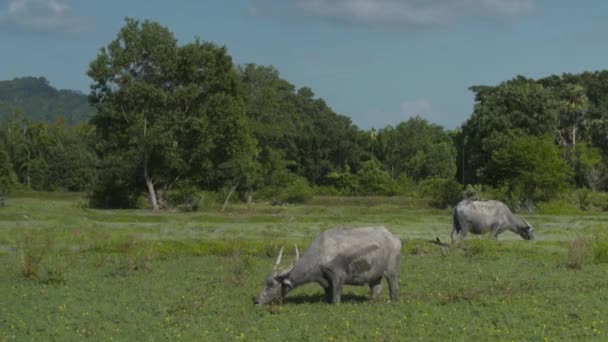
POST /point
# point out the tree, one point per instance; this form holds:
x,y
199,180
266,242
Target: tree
x,y
295,130
7,176
530,168
586,164
417,149
502,114
174,113
576,105
70,158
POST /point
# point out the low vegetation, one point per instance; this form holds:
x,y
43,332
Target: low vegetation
x,y
69,273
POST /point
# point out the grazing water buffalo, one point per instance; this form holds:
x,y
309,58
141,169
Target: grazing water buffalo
x,y
479,217
336,257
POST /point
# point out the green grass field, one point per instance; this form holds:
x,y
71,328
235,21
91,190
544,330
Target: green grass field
x,y
72,273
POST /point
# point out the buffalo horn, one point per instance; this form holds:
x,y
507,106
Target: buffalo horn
x,y
297,253
276,264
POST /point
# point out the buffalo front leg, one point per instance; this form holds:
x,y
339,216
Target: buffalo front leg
x,y
495,230
336,280
375,288
337,291
326,285
328,294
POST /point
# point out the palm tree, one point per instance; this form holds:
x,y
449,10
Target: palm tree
x,y
575,107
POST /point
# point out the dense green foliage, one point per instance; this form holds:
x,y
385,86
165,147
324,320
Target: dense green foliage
x,y
296,132
169,112
417,149
530,168
42,102
44,156
172,121
69,273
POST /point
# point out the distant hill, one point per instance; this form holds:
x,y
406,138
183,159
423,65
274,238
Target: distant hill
x,y
42,102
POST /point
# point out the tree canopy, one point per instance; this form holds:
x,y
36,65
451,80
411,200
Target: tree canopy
x,y
167,117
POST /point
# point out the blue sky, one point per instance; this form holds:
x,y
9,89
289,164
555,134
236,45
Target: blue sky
x,y
376,61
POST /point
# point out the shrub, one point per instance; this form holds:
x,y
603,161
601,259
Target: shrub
x,y
39,261
473,192
442,192
115,187
404,185
186,198
515,197
345,183
600,252
598,200
372,180
294,189
297,192
583,198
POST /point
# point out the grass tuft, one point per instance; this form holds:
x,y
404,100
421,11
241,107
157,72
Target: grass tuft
x,y
579,253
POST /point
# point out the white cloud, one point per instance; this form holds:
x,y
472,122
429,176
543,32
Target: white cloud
x,y
412,12
39,15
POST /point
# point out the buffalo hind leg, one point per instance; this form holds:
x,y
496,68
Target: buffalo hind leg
x,y
454,235
392,277
460,229
393,285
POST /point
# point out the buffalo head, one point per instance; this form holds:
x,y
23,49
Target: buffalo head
x,y
526,231
276,285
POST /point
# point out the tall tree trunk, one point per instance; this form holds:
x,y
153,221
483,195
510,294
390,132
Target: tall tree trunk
x,y
574,135
229,195
150,185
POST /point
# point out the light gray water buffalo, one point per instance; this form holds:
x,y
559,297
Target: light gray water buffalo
x,y
337,257
479,217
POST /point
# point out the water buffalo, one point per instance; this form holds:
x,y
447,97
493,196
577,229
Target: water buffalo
x,y
336,257
480,217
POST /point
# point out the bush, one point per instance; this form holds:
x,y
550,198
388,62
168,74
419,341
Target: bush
x,y
598,200
298,191
115,187
515,198
442,192
372,180
344,183
40,261
600,252
295,190
582,195
404,185
186,198
473,192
